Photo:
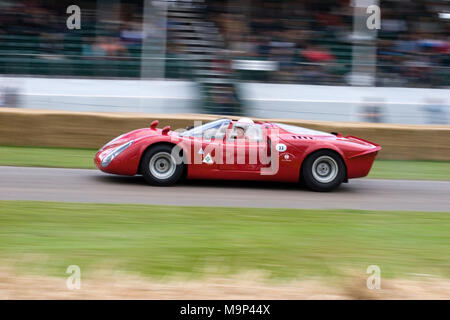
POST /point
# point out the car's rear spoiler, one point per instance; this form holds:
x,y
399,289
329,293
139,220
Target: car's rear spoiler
x,y
376,147
367,141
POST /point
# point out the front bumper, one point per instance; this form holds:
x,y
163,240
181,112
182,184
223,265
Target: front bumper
x,y
122,159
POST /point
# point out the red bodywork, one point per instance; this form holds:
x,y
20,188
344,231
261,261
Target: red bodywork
x,y
358,154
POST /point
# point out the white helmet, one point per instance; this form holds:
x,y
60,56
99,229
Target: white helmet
x,y
246,121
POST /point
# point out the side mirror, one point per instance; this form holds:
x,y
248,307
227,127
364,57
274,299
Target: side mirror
x,y
165,130
154,124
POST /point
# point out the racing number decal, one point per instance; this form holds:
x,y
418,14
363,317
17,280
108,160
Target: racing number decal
x,y
280,147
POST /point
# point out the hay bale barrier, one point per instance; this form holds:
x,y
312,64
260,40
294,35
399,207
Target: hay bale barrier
x,y
52,128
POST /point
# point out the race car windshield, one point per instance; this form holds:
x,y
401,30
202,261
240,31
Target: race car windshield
x,y
301,130
211,129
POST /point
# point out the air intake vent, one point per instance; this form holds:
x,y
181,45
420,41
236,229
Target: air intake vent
x,y
303,137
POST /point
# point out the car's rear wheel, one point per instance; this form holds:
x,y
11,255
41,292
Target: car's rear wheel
x,y
159,167
323,170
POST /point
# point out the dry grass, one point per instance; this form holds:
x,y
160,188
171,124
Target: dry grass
x,y
244,286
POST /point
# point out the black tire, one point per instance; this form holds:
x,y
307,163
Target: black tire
x,y
323,170
157,166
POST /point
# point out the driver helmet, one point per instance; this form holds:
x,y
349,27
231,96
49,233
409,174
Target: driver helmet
x,y
244,123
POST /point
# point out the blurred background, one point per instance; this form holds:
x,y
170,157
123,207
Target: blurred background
x,y
195,60
305,59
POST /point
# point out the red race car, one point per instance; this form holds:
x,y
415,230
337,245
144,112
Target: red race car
x,y
239,150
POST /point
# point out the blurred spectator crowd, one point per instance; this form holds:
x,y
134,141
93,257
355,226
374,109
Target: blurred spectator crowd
x,y
34,39
307,42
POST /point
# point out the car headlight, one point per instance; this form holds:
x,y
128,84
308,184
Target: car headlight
x,y
110,157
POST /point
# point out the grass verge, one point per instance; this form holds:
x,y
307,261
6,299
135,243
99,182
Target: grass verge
x,y
168,241
410,170
47,157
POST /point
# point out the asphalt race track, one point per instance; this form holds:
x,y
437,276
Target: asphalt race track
x,y
75,185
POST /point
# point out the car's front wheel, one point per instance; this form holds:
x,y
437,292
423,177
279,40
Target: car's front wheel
x,y
323,170
159,166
